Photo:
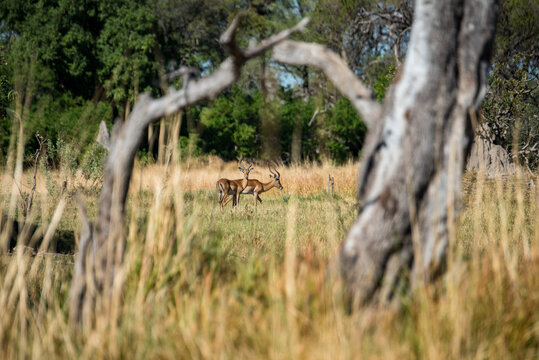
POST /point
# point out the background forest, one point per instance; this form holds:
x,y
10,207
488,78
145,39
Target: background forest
x,y
80,62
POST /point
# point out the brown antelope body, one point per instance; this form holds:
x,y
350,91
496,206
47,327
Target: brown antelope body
x,y
227,187
256,187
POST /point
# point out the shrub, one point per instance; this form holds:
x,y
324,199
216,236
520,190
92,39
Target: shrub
x,y
92,162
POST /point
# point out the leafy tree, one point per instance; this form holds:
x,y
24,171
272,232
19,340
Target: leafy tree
x,y
293,111
346,132
125,47
511,105
231,124
188,30
62,36
386,75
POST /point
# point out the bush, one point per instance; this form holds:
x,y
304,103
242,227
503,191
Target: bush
x,y
231,124
92,162
190,146
61,155
68,123
346,132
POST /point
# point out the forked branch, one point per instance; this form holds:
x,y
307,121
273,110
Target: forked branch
x,y
222,78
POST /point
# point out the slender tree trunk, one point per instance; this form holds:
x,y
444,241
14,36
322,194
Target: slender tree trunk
x,y
126,110
269,116
175,136
161,143
151,139
191,128
297,131
409,179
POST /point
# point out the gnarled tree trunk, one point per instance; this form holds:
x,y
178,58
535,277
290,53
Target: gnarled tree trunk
x,y
409,178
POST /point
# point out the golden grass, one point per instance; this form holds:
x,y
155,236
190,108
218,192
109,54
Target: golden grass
x,y
305,179
205,283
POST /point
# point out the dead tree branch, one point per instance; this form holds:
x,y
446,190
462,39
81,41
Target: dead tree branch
x,y
319,111
108,236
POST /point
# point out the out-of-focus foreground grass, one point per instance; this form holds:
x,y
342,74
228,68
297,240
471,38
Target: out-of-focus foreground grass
x,y
256,283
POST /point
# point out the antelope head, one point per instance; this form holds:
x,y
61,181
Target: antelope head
x,y
276,177
244,170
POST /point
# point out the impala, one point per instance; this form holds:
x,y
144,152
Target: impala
x,y
256,187
227,187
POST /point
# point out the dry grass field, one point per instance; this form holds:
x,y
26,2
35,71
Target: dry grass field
x,y
200,282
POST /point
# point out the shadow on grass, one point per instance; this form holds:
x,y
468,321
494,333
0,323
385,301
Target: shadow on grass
x,y
31,235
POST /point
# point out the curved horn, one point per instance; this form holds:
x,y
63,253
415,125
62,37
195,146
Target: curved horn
x,y
242,168
275,168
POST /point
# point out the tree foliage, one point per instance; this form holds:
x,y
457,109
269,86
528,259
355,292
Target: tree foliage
x,y
231,125
91,52
346,132
511,106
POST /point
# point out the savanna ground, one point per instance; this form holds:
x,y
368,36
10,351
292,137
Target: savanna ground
x,y
251,282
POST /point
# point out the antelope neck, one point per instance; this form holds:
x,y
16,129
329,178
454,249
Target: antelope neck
x,y
268,185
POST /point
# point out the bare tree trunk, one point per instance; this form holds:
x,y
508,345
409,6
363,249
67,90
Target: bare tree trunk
x,y
175,136
297,134
409,181
161,156
409,178
270,120
297,130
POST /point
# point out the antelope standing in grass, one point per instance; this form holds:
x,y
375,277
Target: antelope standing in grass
x,y
255,187
227,187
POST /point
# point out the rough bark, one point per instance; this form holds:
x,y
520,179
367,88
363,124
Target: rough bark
x,y
96,269
409,178
103,137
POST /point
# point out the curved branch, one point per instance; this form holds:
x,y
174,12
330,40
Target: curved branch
x,y
213,85
318,56
128,136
